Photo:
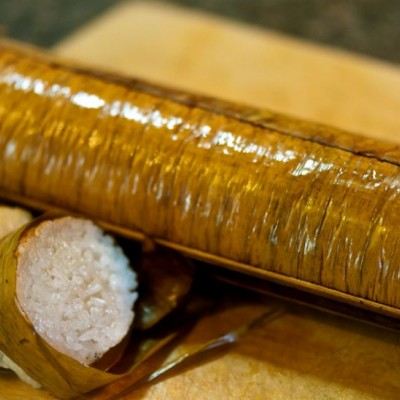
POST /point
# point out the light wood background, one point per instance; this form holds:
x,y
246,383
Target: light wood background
x,y
304,354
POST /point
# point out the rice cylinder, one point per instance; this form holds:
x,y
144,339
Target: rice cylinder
x,y
66,298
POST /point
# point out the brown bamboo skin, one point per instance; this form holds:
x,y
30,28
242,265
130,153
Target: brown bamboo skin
x,y
303,204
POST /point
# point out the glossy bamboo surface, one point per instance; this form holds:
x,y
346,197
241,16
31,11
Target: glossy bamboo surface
x,y
313,206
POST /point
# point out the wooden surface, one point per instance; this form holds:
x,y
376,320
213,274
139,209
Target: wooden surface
x,y
304,354
217,57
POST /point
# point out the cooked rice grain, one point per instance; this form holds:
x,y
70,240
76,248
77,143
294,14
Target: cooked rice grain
x,y
12,218
76,287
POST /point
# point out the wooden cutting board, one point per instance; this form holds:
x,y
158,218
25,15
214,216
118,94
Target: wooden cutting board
x,y
304,354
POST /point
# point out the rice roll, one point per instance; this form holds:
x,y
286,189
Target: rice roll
x,y
76,287
73,287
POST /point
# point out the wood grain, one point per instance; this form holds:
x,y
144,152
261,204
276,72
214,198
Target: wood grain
x,y
305,354
242,63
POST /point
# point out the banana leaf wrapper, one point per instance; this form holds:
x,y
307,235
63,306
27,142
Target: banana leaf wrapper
x,y
56,372
300,204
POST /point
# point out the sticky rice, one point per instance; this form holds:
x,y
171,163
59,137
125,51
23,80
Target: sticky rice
x,y
12,218
76,287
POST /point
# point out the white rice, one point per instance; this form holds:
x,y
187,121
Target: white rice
x,y
76,287
12,218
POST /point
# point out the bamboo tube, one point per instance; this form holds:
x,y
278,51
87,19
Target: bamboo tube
x,y
301,204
